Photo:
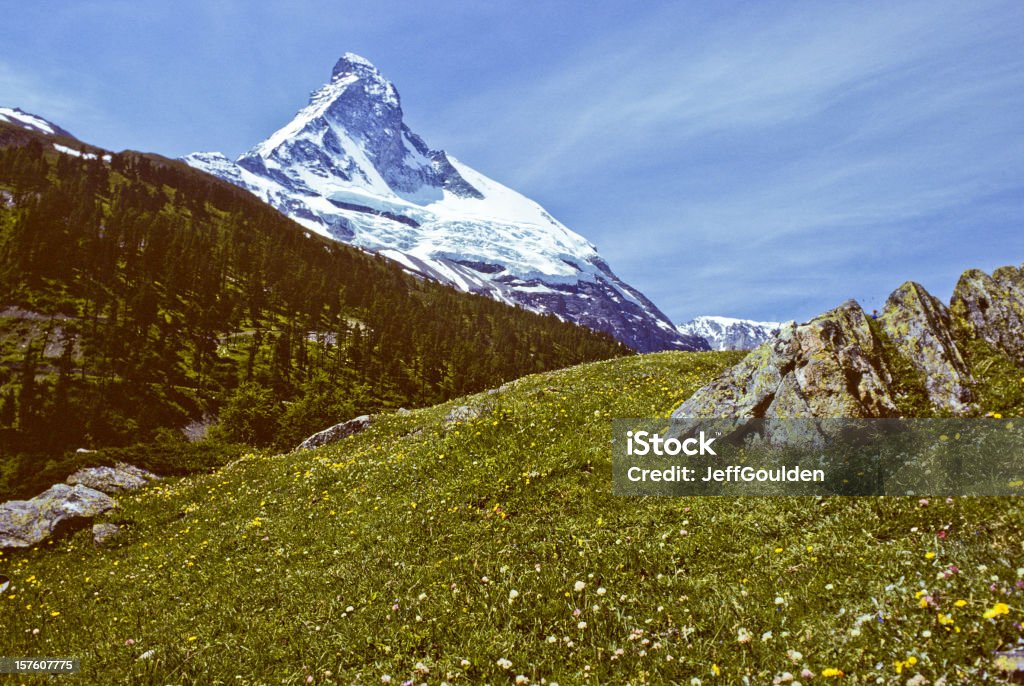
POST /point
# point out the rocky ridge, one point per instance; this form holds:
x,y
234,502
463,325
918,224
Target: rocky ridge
x,y
912,360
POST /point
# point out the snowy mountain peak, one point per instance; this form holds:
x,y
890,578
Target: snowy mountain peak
x,y
351,63
348,166
32,122
728,333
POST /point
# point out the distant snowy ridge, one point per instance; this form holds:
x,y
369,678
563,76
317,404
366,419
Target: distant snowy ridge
x,y
348,167
726,333
32,122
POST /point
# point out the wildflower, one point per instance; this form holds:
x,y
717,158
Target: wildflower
x,y
130,642
385,679
522,679
996,610
929,555
422,668
806,673
504,663
602,590
464,663
831,672
743,636
512,595
579,586
779,600
960,603
581,625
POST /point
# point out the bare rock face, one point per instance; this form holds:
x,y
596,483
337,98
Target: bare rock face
x,y
24,523
117,479
991,308
920,327
336,433
832,366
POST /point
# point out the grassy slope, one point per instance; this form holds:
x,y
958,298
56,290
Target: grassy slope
x,y
402,546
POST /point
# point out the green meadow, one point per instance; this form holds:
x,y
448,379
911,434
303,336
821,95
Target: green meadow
x,y
491,550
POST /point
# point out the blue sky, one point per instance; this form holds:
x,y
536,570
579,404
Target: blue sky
x,y
754,159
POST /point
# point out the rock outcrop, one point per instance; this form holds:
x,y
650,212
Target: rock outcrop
x,y
24,523
336,433
117,479
842,364
832,366
991,308
921,329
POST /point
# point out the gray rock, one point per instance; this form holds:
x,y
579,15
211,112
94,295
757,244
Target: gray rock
x,y
920,328
102,533
462,413
24,523
117,479
337,432
991,308
832,366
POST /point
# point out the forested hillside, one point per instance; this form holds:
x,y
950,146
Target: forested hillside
x,y
139,296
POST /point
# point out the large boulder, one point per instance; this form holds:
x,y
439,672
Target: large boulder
x,y
991,308
336,433
24,523
831,366
920,328
117,479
